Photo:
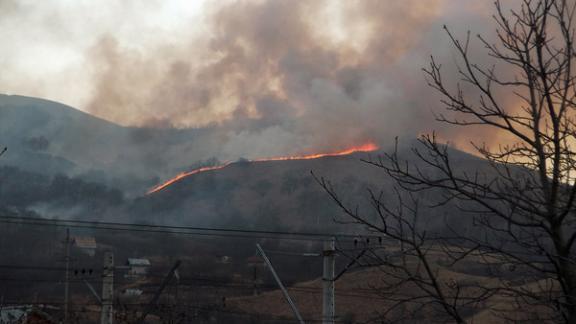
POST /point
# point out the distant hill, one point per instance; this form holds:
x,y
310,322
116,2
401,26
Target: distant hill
x,y
36,130
50,138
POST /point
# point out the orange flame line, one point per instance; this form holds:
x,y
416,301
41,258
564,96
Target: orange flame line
x,y
368,147
184,175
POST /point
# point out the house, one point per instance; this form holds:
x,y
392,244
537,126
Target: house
x,y
86,244
137,267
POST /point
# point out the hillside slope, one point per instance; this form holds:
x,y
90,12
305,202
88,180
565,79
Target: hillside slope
x,y
50,138
280,194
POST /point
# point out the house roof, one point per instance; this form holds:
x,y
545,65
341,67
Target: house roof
x,y
84,242
138,262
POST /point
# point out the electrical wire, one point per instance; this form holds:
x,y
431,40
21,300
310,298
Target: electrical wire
x,y
187,230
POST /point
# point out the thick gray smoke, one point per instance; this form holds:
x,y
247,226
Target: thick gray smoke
x,y
273,80
267,77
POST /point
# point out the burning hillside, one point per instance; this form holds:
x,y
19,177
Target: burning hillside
x,y
367,147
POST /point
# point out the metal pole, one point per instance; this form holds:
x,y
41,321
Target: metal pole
x,y
284,291
107,315
154,301
328,306
67,275
93,291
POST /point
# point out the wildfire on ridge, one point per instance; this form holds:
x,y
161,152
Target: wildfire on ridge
x,y
368,147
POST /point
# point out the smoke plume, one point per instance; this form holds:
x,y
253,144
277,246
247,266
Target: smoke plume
x,y
266,77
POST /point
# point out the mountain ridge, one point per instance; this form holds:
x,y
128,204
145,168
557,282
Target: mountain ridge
x,y
254,194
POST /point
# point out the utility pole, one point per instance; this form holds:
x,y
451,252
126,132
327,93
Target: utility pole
x,y
67,275
279,282
328,305
107,315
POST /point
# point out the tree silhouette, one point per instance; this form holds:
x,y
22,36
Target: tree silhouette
x,y
521,208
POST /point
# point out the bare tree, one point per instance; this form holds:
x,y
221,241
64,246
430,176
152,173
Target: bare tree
x,y
410,276
522,206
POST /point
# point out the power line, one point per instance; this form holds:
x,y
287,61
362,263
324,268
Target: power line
x,y
159,231
187,230
211,229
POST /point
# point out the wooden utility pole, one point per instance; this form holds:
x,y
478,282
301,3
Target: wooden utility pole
x,y
328,305
107,315
67,275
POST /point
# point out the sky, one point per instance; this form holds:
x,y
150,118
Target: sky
x,y
273,76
